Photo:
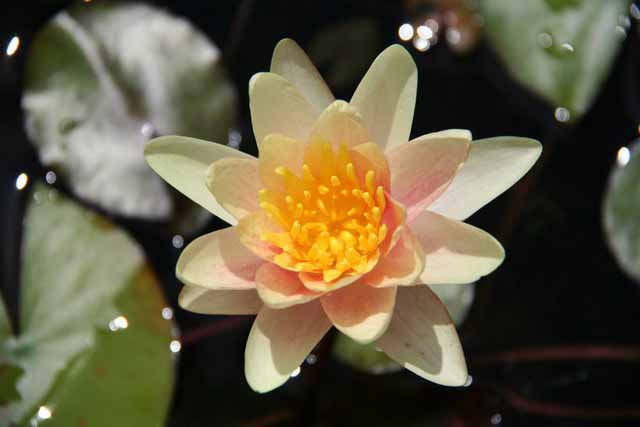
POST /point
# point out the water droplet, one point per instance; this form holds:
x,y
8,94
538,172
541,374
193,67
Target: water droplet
x,y
177,241
175,346
234,138
453,36
469,381
13,45
21,181
147,130
167,313
50,177
433,24
424,32
634,10
621,31
496,419
623,156
567,48
405,32
545,40
312,359
421,44
118,323
296,372
562,114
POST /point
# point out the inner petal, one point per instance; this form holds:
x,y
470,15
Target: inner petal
x,y
330,215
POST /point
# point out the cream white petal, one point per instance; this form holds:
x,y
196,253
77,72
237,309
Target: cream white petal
x,y
183,163
279,342
455,252
277,106
292,63
235,184
423,339
492,166
217,301
218,260
386,97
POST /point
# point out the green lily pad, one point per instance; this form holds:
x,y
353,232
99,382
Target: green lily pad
x,y
103,78
560,49
368,358
621,211
93,344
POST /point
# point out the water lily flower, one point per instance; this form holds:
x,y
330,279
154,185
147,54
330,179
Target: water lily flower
x,y
340,220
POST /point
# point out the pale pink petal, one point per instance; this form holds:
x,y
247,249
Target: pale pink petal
x,y
290,61
386,97
278,107
314,281
280,288
401,266
235,184
276,151
423,339
394,218
362,312
219,301
455,252
250,230
340,124
493,165
183,163
422,169
218,261
368,157
279,342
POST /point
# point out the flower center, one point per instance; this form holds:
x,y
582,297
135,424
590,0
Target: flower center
x,y
331,216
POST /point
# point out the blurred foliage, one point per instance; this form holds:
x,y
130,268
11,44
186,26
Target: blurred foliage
x,y
101,79
79,273
345,50
368,358
560,49
621,207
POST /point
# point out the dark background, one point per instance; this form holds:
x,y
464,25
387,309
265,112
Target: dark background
x,y
553,335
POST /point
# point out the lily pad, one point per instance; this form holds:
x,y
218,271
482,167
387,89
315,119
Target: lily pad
x,y
103,78
621,210
93,345
368,358
560,49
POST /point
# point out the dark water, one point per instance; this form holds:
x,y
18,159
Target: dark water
x,y
553,336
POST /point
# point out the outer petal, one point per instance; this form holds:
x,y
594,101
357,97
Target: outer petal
x,y
183,163
279,342
455,252
280,288
278,107
279,150
401,266
290,61
218,261
422,169
493,166
209,301
235,184
339,124
250,229
423,338
386,97
360,311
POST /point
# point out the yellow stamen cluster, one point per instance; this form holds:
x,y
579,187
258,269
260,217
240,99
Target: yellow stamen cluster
x,y
332,217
